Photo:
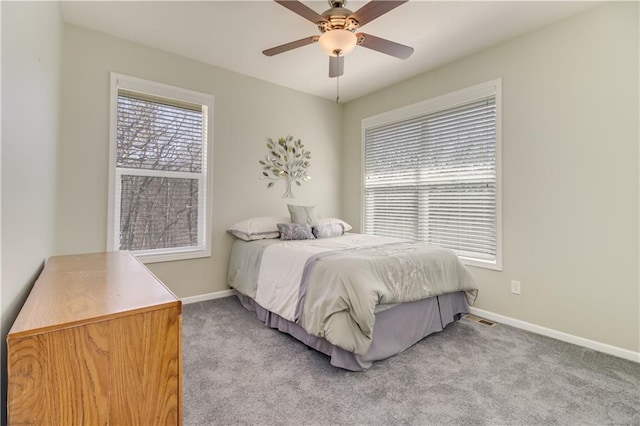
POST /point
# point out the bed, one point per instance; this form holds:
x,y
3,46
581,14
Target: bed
x,y
356,298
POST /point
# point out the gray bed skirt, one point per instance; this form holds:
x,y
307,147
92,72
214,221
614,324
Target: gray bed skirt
x,y
396,328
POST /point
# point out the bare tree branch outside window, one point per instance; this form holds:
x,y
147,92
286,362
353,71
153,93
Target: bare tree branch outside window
x,y
160,161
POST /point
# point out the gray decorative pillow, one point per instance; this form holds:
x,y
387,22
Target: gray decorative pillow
x,y
303,214
328,230
295,231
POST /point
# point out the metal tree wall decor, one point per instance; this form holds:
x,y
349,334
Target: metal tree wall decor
x,y
288,160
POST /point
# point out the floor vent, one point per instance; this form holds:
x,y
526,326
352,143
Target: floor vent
x,y
479,320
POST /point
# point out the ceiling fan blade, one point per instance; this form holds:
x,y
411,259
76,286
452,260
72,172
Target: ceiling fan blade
x,y
336,66
384,46
290,46
374,9
302,10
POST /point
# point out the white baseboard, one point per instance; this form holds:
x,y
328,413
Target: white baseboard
x,y
559,335
208,296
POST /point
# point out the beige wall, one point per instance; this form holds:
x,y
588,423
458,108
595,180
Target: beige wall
x,y
570,171
31,53
246,112
570,159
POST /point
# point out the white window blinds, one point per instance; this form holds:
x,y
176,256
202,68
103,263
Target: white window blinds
x,y
158,133
432,177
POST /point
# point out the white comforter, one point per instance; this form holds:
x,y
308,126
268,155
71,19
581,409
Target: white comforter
x,y
283,263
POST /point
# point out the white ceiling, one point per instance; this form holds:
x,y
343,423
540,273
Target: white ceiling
x,y
232,35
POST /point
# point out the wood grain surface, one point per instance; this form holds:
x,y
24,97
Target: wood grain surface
x,y
78,289
145,378
120,368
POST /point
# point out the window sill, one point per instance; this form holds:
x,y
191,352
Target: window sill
x,y
147,257
485,264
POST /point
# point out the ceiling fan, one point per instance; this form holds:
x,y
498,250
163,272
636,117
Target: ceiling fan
x,y
337,26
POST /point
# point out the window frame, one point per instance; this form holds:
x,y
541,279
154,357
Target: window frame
x,y
432,105
121,81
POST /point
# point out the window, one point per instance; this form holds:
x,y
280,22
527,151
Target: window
x,y
432,173
159,204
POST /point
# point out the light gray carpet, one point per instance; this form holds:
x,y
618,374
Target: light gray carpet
x,y
237,371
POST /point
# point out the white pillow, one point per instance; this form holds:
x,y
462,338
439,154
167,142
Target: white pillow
x,y
258,228
333,220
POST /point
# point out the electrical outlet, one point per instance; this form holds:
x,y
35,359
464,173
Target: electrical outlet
x,y
516,287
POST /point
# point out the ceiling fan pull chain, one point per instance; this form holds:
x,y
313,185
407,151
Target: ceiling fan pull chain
x,y
338,81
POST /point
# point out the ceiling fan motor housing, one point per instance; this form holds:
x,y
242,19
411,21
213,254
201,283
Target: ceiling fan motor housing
x,y
338,18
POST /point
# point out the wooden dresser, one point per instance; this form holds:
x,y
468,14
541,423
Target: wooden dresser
x,y
98,342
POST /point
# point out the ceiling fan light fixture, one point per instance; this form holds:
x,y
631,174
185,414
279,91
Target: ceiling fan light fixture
x,y
340,40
